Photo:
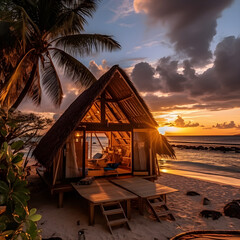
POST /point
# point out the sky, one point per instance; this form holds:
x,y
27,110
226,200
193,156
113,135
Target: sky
x,y
183,56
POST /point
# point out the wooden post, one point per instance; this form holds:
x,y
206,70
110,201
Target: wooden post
x,y
60,199
91,146
83,154
129,209
103,110
91,214
150,157
111,140
132,151
99,141
140,202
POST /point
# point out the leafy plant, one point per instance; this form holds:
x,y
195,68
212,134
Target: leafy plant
x,y
16,221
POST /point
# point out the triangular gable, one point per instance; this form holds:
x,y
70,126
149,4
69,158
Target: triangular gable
x,y
116,85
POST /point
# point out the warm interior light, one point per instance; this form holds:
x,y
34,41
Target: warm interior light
x,y
164,170
77,134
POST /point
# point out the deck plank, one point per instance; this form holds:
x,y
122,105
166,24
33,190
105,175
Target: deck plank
x,y
143,188
101,191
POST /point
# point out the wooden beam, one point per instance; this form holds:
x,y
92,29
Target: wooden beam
x,y
103,109
98,140
119,99
137,97
106,127
58,163
137,127
123,111
125,98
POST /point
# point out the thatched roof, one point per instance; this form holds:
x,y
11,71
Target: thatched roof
x,y
117,83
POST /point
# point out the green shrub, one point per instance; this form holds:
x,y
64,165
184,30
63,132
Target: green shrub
x,y
16,221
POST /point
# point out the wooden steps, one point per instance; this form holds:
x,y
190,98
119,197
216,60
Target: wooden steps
x,y
113,211
117,222
159,208
114,214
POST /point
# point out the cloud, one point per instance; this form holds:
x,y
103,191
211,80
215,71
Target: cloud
x,y
143,76
98,70
127,25
123,10
167,103
216,88
225,125
133,60
171,80
191,24
179,122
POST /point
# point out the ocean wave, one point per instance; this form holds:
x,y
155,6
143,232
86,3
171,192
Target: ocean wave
x,y
232,169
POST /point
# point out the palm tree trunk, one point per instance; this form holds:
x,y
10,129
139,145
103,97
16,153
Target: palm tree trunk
x,y
25,89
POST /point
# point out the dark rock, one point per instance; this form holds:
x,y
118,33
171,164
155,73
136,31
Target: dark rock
x,y
232,209
211,214
200,148
192,193
206,201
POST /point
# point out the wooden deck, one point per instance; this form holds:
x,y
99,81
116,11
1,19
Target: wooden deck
x,y
144,189
102,191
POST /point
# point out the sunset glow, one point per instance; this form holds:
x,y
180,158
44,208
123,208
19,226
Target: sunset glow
x,y
191,87
166,129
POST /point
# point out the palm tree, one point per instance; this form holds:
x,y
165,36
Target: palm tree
x,y
42,36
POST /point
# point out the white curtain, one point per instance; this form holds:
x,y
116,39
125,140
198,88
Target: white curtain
x,y
72,169
140,157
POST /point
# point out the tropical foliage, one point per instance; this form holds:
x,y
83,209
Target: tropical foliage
x,y
38,38
16,221
24,126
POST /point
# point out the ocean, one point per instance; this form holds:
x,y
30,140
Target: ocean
x,y
208,160
212,155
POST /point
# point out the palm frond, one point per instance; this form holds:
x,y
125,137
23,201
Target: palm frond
x,y
35,92
72,18
86,44
16,78
74,69
48,14
30,24
51,82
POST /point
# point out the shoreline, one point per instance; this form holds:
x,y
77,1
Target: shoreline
x,y
214,178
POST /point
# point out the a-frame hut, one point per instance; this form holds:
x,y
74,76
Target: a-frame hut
x,y
108,123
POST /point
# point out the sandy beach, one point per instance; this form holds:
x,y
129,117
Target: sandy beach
x,y
66,222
